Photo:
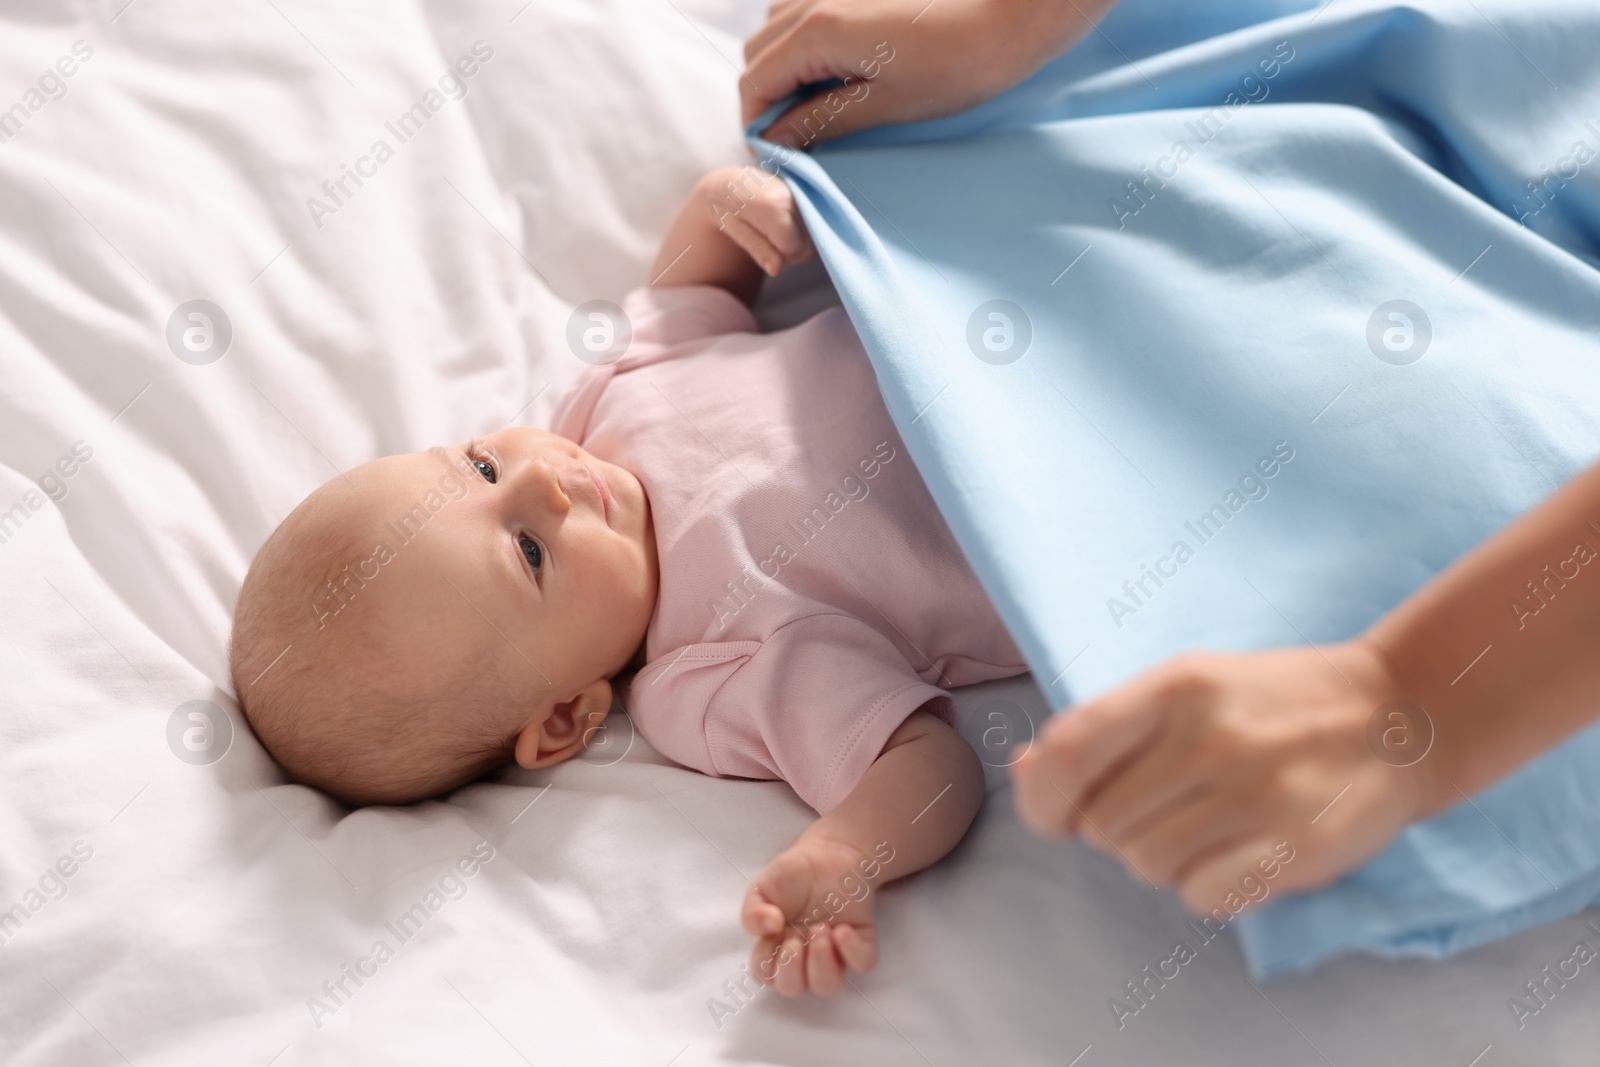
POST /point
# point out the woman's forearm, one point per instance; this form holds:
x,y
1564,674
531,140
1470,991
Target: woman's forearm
x,y
1502,649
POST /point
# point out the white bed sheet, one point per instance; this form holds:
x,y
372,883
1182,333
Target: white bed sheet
x,y
215,900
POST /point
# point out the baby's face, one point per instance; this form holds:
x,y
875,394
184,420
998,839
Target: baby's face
x,y
549,560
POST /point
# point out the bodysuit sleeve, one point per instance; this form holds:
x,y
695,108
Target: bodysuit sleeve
x,y
813,704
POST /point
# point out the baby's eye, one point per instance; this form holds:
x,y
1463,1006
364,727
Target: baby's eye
x,y
486,469
531,550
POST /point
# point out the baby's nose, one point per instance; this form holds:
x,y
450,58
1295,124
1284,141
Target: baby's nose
x,y
542,484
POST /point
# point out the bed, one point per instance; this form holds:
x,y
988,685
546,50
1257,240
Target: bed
x,y
202,317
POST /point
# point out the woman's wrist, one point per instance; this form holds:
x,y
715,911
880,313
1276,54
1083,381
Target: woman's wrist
x,y
1035,33
1400,730
1498,650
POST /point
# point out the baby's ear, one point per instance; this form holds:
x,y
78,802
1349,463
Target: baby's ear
x,y
566,728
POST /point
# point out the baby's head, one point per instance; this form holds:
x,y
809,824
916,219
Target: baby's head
x,y
427,617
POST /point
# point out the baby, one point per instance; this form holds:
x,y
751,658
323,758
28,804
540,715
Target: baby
x,y
727,516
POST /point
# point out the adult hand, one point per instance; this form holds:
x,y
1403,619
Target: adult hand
x,y
1192,773
902,60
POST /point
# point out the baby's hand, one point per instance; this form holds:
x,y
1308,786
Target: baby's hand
x,y
811,909
757,211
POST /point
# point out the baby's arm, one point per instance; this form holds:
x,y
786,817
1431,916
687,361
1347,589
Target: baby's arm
x,y
811,907
736,223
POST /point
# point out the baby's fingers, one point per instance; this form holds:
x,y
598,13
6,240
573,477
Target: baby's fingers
x,y
765,959
800,248
747,237
791,960
775,217
824,971
780,962
759,916
858,945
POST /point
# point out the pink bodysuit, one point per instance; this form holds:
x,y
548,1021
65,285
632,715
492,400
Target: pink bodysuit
x,y
811,595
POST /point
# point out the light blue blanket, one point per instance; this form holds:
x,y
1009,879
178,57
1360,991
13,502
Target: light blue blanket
x,y
1231,328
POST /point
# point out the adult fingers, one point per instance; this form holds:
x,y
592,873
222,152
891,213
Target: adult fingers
x,y
1216,877
837,112
1189,829
1164,773
791,59
781,17
1080,751
812,48
1078,747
